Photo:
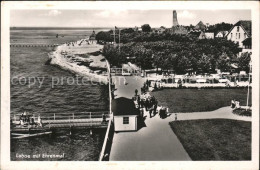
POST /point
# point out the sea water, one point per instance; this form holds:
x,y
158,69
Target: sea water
x,y
28,63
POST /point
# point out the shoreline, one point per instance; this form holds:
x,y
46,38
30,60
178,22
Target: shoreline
x,y
76,57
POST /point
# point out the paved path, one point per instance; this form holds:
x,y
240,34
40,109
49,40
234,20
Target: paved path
x,y
128,90
156,141
222,113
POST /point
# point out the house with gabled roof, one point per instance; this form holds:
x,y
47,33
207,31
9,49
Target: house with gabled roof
x,y
221,34
200,26
239,32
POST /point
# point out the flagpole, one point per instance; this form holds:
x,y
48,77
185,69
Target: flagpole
x,y
250,65
119,40
114,36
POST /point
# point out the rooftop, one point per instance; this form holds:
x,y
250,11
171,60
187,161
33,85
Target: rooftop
x,y
124,106
246,25
247,41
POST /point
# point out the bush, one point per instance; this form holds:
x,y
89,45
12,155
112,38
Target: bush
x,y
242,112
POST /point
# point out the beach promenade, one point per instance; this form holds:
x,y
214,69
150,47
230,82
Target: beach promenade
x,y
154,141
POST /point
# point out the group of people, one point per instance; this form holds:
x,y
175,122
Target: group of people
x,y
74,43
155,85
28,119
235,104
149,103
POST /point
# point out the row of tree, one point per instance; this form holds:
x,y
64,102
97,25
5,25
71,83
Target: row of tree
x,y
181,53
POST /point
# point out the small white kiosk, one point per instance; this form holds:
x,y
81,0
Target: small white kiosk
x,y
125,114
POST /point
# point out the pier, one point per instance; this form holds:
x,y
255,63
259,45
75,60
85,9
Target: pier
x,y
33,45
68,120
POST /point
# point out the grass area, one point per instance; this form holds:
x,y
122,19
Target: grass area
x,y
194,100
242,112
214,139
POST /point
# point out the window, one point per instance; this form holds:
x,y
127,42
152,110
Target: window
x,y
237,28
125,120
244,35
238,35
231,35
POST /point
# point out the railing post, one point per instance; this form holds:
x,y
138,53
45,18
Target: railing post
x,y
90,115
54,116
73,115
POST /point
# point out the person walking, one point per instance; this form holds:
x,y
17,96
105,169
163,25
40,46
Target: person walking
x,y
125,81
146,104
104,118
136,92
237,104
233,104
155,108
150,112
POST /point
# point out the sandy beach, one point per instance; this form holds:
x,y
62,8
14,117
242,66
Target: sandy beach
x,y
77,58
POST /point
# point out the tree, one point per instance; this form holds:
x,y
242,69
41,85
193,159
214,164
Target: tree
x,y
223,63
204,64
243,62
181,53
104,36
146,28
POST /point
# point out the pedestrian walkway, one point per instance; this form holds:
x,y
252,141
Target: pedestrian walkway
x,y
222,113
126,85
155,141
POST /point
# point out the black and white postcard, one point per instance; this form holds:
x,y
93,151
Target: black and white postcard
x,y
153,85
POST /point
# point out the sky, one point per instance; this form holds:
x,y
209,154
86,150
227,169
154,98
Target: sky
x,y
121,18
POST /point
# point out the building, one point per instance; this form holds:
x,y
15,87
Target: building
x,y
174,19
200,26
209,35
179,30
198,34
92,37
159,30
137,29
221,34
247,45
176,28
125,114
239,32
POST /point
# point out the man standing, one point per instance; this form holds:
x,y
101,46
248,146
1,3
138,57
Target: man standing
x,y
136,91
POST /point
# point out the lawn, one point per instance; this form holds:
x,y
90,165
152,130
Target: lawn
x,y
194,100
214,139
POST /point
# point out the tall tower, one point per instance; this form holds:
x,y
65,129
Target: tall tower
x,y
174,19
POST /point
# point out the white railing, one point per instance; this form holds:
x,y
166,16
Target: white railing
x,y
109,130
66,116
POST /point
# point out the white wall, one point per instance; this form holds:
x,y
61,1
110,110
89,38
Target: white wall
x,y
220,34
119,126
234,35
209,35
